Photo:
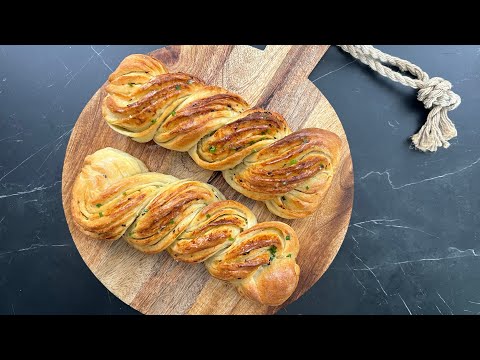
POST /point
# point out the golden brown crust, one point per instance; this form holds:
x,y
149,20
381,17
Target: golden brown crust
x,y
248,133
110,190
212,230
116,195
168,214
220,132
292,175
261,263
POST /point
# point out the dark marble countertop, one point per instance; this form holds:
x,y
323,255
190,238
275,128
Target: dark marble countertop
x,y
413,243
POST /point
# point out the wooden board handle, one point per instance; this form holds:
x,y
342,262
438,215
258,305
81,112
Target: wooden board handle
x,y
301,58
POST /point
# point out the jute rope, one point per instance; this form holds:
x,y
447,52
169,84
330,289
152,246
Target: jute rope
x,y
435,93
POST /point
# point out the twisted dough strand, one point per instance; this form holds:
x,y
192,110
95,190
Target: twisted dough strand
x,y
115,195
255,149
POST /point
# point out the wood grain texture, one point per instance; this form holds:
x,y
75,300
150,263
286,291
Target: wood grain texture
x,y
275,78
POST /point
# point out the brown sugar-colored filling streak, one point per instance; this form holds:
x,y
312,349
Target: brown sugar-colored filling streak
x,y
116,196
256,151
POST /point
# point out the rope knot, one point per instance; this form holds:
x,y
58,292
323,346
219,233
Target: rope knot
x,y
437,92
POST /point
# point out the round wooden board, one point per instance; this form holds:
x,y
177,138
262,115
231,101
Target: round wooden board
x,y
275,78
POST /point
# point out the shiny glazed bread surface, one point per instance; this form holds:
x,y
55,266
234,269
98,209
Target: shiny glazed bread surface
x,y
255,149
116,196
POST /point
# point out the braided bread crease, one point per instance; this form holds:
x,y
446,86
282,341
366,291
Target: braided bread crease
x,y
116,196
255,149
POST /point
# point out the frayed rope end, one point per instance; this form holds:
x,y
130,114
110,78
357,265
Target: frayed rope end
x,y
436,131
436,94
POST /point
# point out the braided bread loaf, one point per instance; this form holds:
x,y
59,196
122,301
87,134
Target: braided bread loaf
x,y
259,155
115,195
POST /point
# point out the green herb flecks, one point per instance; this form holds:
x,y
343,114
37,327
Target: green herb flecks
x,y
308,187
171,222
273,251
154,121
209,216
98,205
287,237
289,255
124,193
293,161
212,149
173,113
231,239
100,214
177,87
